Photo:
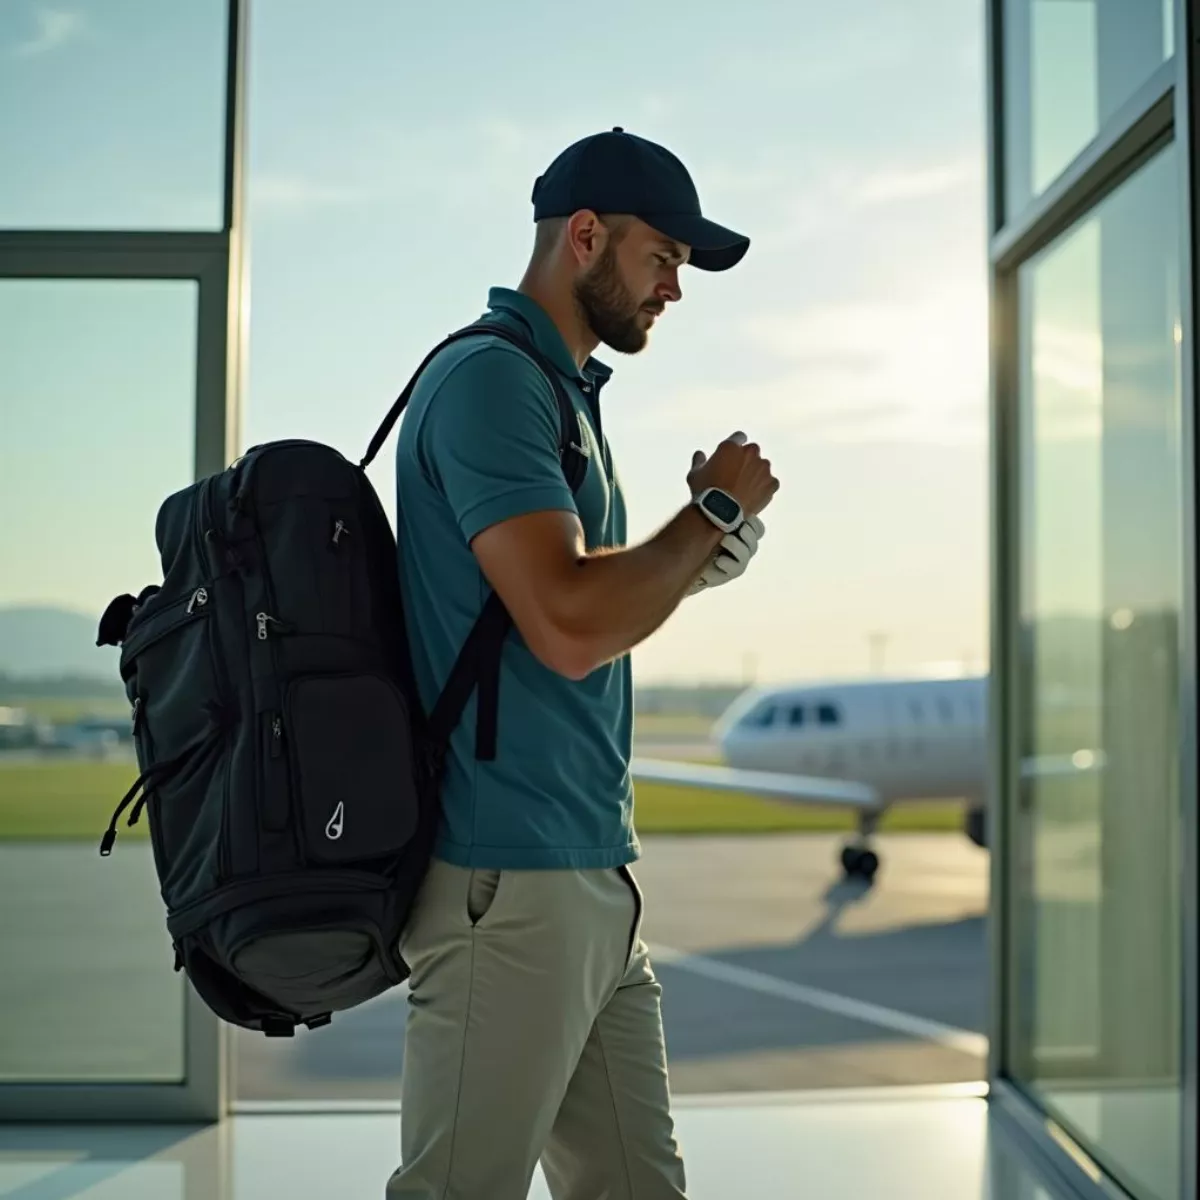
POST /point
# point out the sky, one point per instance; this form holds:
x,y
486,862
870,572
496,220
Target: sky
x,y
391,152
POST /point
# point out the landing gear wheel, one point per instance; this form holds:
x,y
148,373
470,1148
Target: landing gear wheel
x,y
868,865
860,864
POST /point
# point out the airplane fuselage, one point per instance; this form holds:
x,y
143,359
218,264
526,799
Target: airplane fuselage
x,y
910,739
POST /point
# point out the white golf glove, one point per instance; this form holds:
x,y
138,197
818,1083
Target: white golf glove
x,y
732,556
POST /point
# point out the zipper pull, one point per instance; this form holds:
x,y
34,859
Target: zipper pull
x,y
199,598
276,736
338,529
137,715
265,619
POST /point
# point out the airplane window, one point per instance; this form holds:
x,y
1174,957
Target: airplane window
x,y
763,717
828,714
797,715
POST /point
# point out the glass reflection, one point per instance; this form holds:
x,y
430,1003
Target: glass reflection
x,y
1096,884
1069,65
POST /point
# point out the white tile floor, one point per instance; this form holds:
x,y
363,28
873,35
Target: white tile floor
x,y
901,1149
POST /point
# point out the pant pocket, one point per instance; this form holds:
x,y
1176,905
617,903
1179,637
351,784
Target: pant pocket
x,y
482,886
639,905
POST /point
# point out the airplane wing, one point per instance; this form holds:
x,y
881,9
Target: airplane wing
x,y
798,789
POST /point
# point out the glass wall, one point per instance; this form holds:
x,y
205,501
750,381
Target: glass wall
x,y
118,378
384,203
1094,414
81,147
1070,65
1096,979
99,434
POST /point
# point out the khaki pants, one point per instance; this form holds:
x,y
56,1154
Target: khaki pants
x,y
534,1032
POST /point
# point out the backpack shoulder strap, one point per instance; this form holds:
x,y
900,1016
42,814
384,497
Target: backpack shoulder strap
x,y
478,662
571,439
571,442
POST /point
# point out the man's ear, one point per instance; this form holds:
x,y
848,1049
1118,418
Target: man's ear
x,y
586,237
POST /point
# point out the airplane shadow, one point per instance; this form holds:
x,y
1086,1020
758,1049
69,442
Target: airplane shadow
x,y
935,971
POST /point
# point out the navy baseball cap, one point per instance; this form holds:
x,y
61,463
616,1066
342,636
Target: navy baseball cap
x,y
619,172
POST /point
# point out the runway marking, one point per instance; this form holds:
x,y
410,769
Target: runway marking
x,y
948,1036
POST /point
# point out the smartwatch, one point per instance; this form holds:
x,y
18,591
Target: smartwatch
x,y
720,508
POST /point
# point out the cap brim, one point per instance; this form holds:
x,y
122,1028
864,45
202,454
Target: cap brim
x,y
714,248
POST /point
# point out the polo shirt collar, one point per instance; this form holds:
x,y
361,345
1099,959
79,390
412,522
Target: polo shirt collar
x,y
546,336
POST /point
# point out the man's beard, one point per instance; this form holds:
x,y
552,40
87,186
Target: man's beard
x,y
608,306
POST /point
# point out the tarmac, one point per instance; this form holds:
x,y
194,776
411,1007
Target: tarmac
x,y
776,975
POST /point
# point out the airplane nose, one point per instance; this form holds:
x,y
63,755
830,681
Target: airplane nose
x,y
728,744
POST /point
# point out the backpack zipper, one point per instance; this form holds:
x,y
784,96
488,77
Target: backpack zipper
x,y
264,620
139,640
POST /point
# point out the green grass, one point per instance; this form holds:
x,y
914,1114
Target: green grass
x,y
65,800
74,800
663,808
668,725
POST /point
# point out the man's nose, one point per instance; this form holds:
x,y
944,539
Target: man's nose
x,y
669,289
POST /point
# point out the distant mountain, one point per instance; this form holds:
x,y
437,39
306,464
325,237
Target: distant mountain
x,y
39,642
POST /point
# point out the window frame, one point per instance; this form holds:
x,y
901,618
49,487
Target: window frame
x,y
216,262
1165,107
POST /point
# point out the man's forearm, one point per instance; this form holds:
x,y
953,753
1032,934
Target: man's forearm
x,y
620,597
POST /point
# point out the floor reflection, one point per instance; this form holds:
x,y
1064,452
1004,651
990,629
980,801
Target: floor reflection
x,y
836,1149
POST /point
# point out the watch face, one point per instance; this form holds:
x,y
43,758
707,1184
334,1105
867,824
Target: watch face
x,y
724,508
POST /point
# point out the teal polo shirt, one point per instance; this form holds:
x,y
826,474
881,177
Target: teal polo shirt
x,y
479,444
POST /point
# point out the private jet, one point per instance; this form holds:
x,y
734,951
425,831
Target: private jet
x,y
861,745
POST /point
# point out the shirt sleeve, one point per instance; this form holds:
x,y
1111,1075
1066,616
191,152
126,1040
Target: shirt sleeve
x,y
490,440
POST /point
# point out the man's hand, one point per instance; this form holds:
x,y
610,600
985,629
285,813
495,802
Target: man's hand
x,y
731,558
736,467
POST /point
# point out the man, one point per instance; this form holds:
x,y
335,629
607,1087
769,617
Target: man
x,y
534,1029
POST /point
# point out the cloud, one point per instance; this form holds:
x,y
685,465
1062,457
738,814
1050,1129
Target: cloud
x,y
860,372
452,164
833,56
296,193
907,183
846,199
55,27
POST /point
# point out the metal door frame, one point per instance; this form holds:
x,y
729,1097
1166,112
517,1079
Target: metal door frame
x,y
1165,108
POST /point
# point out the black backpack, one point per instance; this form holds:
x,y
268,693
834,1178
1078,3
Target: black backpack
x,y
291,777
